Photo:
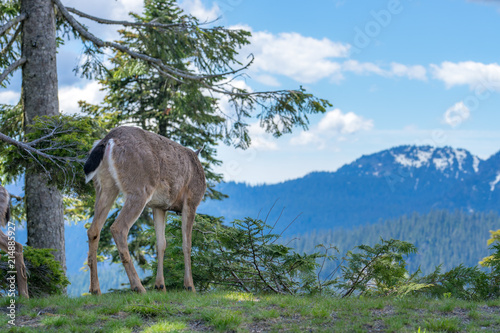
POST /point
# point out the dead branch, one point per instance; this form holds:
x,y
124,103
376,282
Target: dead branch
x,y
172,72
11,68
124,23
12,22
30,150
289,224
18,198
11,41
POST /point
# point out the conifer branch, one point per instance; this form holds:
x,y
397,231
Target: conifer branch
x,y
29,149
12,22
11,68
124,23
84,33
11,41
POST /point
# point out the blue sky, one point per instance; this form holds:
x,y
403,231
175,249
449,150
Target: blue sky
x,y
396,72
416,72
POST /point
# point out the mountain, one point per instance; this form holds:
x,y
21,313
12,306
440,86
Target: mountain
x,y
381,186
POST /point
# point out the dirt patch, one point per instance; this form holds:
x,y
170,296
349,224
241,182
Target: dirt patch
x,y
27,321
50,310
489,309
199,326
386,311
375,326
119,315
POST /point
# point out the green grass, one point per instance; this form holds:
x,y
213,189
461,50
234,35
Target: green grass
x,y
240,312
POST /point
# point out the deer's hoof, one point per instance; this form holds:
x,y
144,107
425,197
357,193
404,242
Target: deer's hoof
x,y
95,292
189,288
139,290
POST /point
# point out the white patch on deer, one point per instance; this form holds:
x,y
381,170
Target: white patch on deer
x,y
112,170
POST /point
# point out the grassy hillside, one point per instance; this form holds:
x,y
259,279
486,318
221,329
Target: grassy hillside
x,y
238,312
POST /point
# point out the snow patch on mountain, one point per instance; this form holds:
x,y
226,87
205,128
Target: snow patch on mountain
x,y
460,155
450,161
475,164
444,161
415,158
494,183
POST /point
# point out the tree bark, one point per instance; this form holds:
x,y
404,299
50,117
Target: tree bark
x,y
44,205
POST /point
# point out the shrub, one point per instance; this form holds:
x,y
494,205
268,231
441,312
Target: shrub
x,y
45,274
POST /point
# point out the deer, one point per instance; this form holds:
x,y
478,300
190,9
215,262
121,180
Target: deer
x,y
150,170
9,245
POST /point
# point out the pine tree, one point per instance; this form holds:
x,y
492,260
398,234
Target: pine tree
x,y
184,60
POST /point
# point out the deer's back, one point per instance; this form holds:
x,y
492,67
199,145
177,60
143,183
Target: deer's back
x,y
144,159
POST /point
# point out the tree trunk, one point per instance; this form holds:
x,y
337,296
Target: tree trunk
x,y
44,205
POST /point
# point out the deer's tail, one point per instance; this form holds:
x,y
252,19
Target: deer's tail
x,y
94,161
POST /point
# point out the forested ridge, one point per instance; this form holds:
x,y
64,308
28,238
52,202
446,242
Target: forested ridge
x,y
441,237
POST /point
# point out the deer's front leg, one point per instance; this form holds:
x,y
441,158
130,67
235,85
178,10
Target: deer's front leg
x,y
104,200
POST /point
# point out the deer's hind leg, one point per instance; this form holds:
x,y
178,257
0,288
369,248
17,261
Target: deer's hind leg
x,y
188,215
132,209
161,244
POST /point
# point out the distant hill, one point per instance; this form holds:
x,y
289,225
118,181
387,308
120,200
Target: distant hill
x,y
375,187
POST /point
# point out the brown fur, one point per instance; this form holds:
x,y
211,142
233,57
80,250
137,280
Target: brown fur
x,y
22,281
153,171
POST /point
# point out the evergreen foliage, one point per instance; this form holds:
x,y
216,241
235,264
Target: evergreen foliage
x,y
246,256
45,275
66,140
381,267
469,283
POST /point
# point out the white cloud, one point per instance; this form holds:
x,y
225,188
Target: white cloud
x,y
301,58
416,72
120,9
474,74
456,114
308,60
336,124
306,138
362,68
9,97
69,97
260,139
197,9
